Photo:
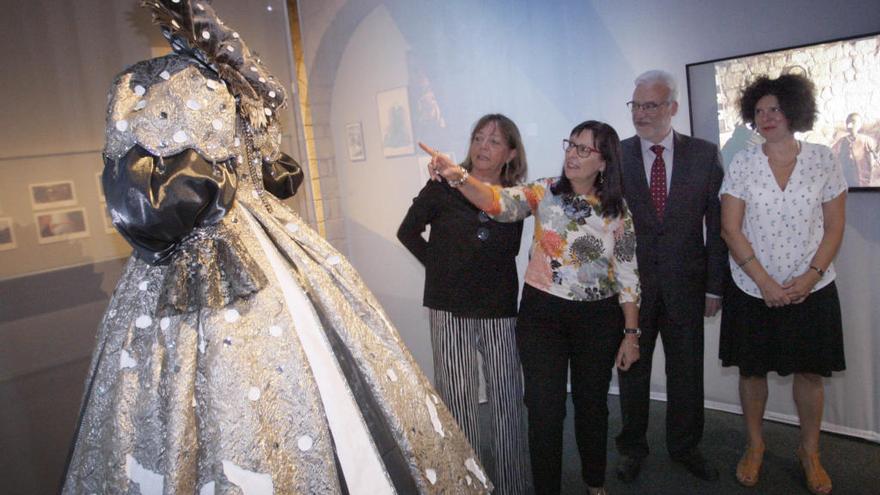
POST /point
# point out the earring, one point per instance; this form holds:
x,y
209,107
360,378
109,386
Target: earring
x,y
601,179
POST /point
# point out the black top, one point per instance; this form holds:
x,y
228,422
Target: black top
x,y
470,259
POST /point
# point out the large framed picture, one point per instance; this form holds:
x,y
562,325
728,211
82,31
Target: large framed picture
x,y
49,195
7,234
354,140
846,75
61,225
395,125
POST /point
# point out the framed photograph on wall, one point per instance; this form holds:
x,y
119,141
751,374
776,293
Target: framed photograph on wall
x,y
61,225
354,140
395,125
7,234
48,195
845,74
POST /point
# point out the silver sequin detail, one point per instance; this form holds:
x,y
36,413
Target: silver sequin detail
x,y
151,128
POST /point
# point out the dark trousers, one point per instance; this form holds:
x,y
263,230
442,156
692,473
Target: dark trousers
x,y
683,346
552,334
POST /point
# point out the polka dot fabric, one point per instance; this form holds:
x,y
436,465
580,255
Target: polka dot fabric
x,y
658,181
784,226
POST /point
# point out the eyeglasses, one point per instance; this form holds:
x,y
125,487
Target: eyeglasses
x,y
647,107
583,150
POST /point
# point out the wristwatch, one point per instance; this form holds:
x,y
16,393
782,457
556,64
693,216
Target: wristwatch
x,y
633,331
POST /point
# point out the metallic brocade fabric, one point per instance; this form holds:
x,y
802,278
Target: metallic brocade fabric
x,y
200,381
170,104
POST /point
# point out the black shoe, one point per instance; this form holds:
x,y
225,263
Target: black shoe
x,y
698,466
628,468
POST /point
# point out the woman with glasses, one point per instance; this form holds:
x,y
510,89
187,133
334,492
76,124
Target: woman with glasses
x,y
782,215
471,289
579,307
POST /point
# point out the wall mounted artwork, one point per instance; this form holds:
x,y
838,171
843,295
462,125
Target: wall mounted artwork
x,y
354,140
394,122
61,225
48,195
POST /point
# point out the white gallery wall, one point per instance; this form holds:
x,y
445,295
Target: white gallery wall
x,y
550,65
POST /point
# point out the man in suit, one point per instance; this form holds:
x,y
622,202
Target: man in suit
x,y
671,184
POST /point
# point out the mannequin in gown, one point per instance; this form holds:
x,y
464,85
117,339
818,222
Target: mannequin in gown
x,y
240,352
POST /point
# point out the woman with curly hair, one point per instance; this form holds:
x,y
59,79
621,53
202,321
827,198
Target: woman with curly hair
x,y
782,214
579,306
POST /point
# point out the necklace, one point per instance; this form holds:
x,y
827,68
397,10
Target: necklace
x,y
784,163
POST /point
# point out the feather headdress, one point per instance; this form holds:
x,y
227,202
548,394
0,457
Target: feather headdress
x,y
192,26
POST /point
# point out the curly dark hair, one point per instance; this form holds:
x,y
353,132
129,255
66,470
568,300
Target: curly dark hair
x,y
796,95
610,187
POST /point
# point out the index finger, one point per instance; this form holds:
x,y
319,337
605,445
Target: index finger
x,y
429,150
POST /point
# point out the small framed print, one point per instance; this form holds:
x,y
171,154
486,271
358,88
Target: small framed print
x,y
354,139
7,234
394,122
100,183
52,195
61,225
108,222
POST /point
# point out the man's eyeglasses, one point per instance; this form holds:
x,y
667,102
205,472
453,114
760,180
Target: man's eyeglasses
x,y
583,150
647,107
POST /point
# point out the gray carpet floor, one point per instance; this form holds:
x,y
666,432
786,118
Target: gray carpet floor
x,y
853,464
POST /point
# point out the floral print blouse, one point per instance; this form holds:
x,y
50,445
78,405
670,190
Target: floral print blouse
x,y
576,253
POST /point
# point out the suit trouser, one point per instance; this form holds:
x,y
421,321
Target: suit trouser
x,y
456,341
554,334
683,347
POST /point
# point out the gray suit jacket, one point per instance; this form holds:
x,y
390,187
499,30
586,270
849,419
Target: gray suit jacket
x,y
675,262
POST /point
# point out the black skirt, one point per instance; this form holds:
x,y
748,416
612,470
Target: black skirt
x,y
798,338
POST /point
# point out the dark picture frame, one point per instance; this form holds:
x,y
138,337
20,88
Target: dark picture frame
x,y
846,72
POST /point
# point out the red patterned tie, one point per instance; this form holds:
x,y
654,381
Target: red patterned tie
x,y
658,181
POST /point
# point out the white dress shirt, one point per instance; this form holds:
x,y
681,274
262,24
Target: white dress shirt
x,y
648,157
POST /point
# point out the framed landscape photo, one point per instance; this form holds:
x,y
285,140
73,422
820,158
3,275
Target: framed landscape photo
x,y
395,126
846,75
49,195
7,234
61,225
354,140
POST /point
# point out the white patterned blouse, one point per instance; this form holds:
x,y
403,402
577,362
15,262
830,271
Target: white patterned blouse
x,y
786,226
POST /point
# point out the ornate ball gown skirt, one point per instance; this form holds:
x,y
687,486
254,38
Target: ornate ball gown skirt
x,y
292,389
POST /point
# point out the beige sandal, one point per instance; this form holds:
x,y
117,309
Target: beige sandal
x,y
749,467
818,481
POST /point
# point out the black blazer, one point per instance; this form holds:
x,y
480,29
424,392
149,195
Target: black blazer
x,y
676,265
470,259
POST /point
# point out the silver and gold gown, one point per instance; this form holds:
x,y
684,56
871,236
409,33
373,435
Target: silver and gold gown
x,y
240,352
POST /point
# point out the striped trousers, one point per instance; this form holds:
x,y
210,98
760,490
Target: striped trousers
x,y
456,341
